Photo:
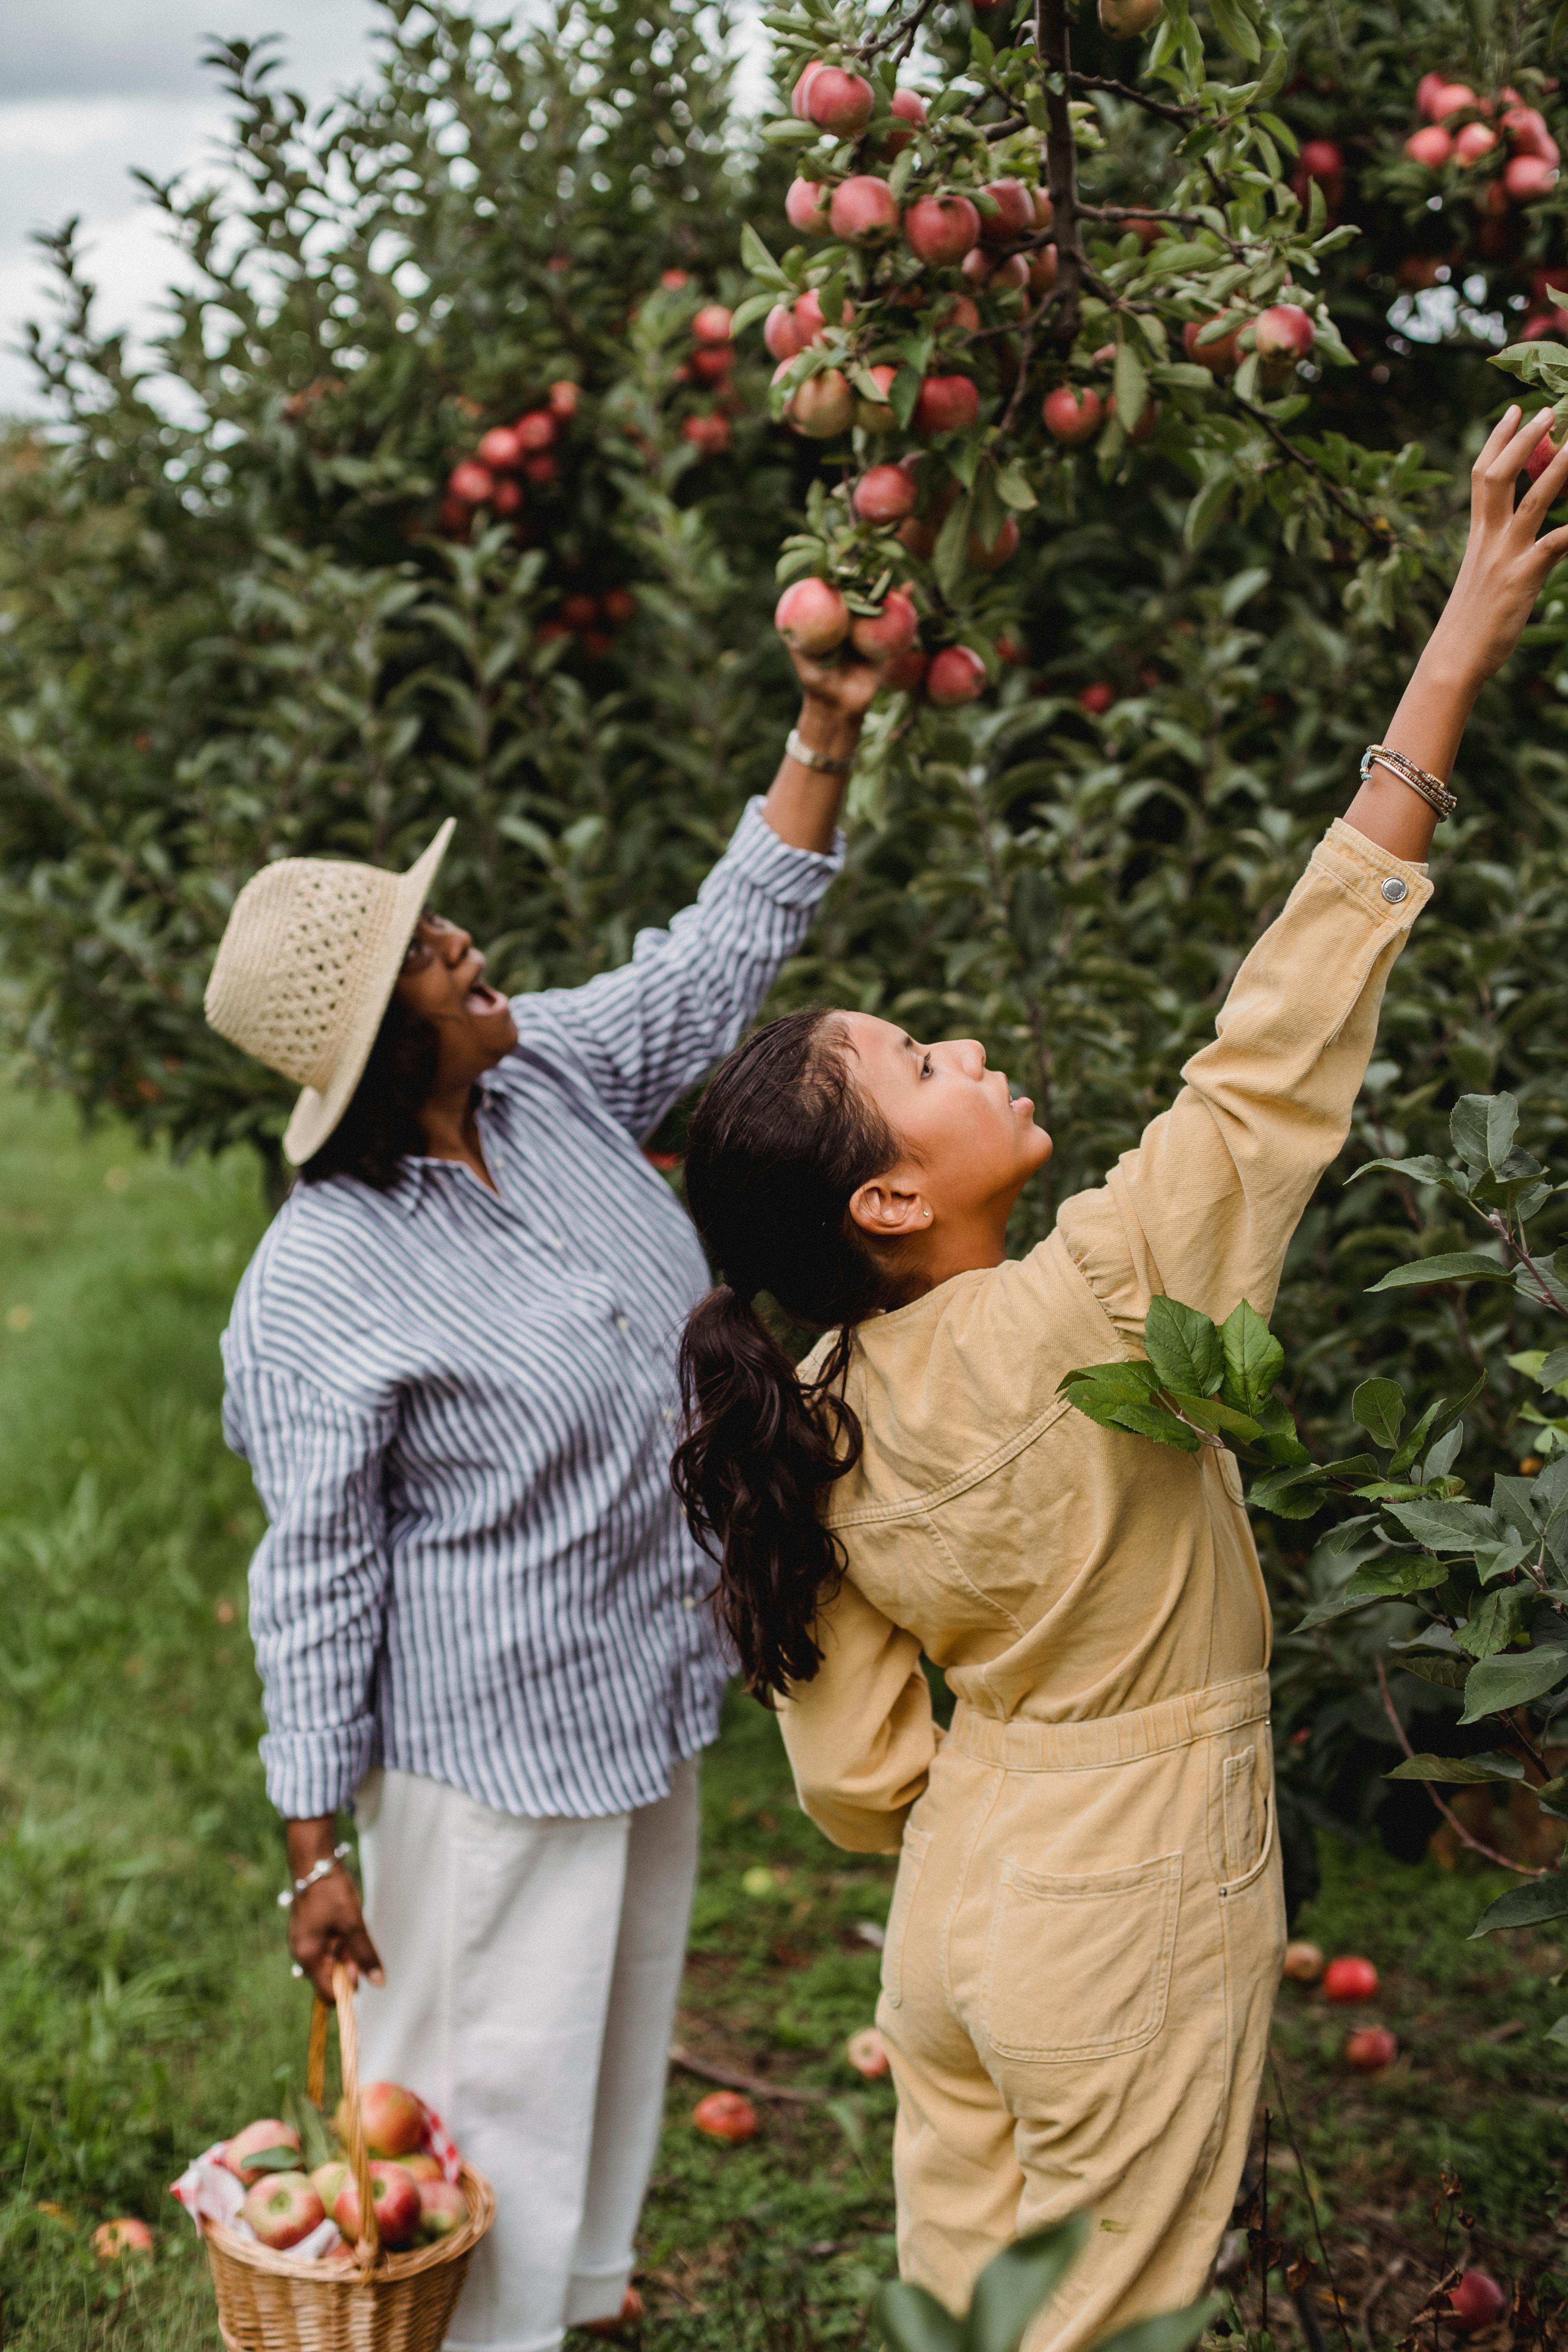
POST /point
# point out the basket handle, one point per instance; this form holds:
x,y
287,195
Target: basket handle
x,y
369,2247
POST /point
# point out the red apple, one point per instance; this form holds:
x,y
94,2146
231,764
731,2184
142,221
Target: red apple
x,y
395,2196
709,434
1149,417
391,2119
536,430
863,211
941,229
1001,551
506,497
1010,651
956,675
257,2139
539,470
908,107
808,315
1321,160
1303,1963
797,96
712,364
781,334
578,613
1451,98
957,316
1014,217
619,606
805,208
498,448
1045,212
672,280
918,538
564,397
1072,416
1526,128
125,2235
1350,1979
875,415
597,643
1541,456
884,494
1097,698
1128,20
1285,331
725,2115
904,673
812,617
443,2208
711,324
1042,270
328,2179
1473,141
838,101
1431,146
283,2209
996,272
1427,93
1475,2302
946,403
1220,356
470,482
868,2053
1528,176
890,632
823,405
1371,2049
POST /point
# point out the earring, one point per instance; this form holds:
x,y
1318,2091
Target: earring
x,y
927,1212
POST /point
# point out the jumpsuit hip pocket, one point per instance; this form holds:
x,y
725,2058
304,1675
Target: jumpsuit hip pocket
x,y
912,1862
1079,1965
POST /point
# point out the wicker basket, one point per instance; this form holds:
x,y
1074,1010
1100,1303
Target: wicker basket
x,y
384,2301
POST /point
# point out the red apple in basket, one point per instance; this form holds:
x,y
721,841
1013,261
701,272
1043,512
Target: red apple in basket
x,y
423,2165
395,2196
443,2208
392,2119
328,2179
283,2208
257,2139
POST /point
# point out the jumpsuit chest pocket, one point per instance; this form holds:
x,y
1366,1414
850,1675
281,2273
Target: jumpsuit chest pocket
x,y
1080,1966
912,1862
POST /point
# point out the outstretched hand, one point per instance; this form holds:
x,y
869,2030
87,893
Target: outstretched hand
x,y
845,686
1506,562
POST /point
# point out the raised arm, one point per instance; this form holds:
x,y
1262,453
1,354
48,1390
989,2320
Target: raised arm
x,y
1205,1208
649,1030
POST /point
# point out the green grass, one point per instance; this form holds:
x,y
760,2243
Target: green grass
x,y
145,2002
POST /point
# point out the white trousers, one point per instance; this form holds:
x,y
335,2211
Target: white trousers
x,y
532,1974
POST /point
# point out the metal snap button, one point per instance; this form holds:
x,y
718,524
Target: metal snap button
x,y
1394,890
623,1323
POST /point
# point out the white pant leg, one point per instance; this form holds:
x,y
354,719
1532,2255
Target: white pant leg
x,y
498,1936
650,1950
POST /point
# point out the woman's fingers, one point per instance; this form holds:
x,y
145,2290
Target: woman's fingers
x,y
1547,486
1483,476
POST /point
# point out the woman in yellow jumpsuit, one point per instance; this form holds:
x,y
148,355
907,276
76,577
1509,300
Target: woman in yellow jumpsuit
x,y
1087,1923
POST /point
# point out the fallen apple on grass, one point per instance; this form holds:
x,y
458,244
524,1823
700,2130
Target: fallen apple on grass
x,y
283,2208
1371,2050
726,2115
1350,1978
125,2235
1476,2301
868,2053
1303,1963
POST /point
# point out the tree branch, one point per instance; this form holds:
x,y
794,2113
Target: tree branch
x,y
1061,156
1488,1852
1375,525
1172,110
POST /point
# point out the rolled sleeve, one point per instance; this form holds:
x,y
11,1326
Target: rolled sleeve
x,y
318,1582
1203,1209
860,1735
647,1031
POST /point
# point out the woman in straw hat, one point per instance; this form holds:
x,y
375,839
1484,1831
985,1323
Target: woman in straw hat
x,y
478,1616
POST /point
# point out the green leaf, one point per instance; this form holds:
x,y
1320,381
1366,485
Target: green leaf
x,y
1498,1684
1289,1494
1131,385
1553,1372
1456,1266
902,394
913,2321
1501,1621
1443,1673
1172,2331
1154,1421
1423,1168
1235,28
1467,1124
1525,1906
1211,1414
1183,1347
1210,503
1378,1406
1012,488
1460,1771
1448,1526
754,307
1018,2281
950,557
1502,1125
755,257
1254,1359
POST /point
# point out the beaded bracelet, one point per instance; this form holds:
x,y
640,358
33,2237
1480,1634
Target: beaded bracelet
x,y
1436,793
314,1876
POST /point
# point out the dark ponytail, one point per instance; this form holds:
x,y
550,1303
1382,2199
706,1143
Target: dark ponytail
x,y
780,1142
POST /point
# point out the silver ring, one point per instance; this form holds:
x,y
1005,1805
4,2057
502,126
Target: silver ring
x,y
296,1970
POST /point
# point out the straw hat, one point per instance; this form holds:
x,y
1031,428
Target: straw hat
x,y
305,970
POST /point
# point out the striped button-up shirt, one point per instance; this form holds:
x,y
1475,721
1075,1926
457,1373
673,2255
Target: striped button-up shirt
x,y
460,1407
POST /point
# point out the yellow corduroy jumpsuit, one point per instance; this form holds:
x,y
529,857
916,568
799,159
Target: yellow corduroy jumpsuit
x,y
1088,1924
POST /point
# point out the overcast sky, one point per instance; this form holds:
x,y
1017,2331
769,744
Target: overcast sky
x,y
91,88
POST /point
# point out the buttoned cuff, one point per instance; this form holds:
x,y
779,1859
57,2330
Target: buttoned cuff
x,y
1393,888
313,1772
791,877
